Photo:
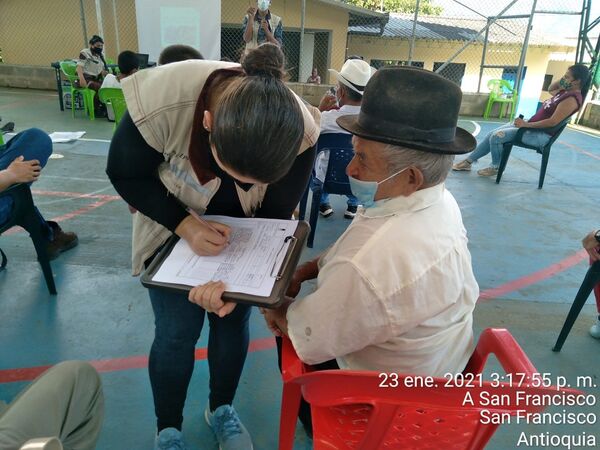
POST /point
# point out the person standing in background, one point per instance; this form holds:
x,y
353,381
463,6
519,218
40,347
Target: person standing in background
x,y
261,26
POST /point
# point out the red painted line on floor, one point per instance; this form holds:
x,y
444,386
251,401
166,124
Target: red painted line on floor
x,y
535,277
141,361
118,364
75,195
70,215
579,150
82,210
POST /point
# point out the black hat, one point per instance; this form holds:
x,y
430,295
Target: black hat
x,y
411,107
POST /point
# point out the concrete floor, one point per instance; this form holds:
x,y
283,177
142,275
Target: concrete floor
x,y
525,245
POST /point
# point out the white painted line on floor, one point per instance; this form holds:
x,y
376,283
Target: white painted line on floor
x,y
56,156
61,177
94,140
37,94
583,132
477,128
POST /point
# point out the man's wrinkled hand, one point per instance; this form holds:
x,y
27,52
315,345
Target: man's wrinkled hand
x,y
591,246
208,296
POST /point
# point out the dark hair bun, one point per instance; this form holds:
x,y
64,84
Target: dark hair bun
x,y
267,60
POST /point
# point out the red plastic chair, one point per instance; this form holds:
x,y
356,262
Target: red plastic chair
x,y
351,411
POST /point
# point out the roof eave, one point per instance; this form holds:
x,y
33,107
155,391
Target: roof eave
x,y
356,10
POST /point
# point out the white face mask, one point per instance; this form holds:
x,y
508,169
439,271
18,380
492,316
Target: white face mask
x,y
263,5
365,191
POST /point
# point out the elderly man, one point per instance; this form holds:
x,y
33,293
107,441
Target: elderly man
x,y
351,82
396,291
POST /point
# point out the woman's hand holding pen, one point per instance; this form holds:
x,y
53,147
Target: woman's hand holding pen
x,y
206,238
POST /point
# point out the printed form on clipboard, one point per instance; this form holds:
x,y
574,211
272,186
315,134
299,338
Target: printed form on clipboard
x,y
250,264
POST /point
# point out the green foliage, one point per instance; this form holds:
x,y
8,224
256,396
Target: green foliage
x,y
401,6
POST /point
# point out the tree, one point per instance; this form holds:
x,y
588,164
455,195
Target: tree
x,y
401,6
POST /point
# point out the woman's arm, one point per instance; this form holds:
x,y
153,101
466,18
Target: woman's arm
x,y
82,81
283,196
563,110
133,170
554,88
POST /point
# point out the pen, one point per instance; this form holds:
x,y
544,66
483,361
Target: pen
x,y
196,216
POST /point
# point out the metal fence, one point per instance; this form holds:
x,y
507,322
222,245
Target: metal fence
x,y
467,41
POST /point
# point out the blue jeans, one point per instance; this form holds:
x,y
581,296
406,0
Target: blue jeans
x,y
315,184
178,324
495,140
31,144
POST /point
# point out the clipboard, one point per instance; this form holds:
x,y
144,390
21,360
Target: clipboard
x,y
282,277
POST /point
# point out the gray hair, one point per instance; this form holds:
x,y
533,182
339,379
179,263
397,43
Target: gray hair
x,y
434,166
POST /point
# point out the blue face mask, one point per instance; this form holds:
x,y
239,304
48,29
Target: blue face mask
x,y
365,191
263,5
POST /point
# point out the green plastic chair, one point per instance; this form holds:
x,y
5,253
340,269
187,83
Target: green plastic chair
x,y
114,97
112,66
501,91
69,69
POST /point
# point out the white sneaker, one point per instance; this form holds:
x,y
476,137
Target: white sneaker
x,y
595,330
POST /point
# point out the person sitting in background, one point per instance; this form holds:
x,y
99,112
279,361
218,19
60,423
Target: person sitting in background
x,y
261,26
314,77
91,68
351,82
65,402
591,243
22,161
178,52
567,97
128,65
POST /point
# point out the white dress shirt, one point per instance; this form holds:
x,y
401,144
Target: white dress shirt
x,y
395,293
329,125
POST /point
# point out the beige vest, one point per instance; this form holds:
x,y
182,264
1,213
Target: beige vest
x,y
162,102
274,22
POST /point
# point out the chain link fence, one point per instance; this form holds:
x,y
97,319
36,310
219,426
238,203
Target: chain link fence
x,y
37,32
468,41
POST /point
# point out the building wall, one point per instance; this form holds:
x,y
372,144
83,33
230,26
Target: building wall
x,y
430,52
319,17
36,32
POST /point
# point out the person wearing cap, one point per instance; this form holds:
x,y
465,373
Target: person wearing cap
x,y
351,82
396,292
92,68
260,26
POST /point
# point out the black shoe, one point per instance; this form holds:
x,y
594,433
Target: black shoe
x,y
9,127
325,209
350,212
